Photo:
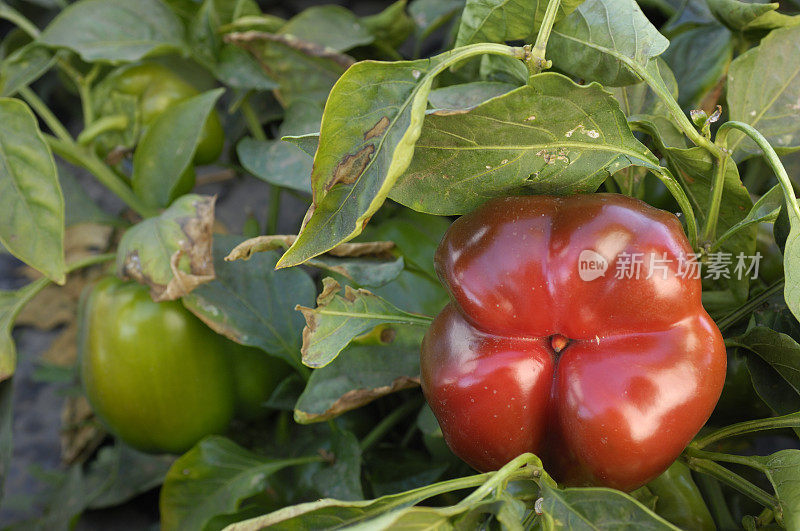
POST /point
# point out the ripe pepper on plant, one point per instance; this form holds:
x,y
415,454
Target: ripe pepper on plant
x,y
607,379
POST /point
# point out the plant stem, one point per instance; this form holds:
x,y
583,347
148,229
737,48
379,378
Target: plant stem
x,y
250,118
725,458
274,208
773,423
717,186
388,422
116,122
532,470
733,480
747,308
82,157
770,157
536,58
18,19
90,261
46,115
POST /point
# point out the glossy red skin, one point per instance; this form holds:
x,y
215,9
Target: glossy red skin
x,y
644,365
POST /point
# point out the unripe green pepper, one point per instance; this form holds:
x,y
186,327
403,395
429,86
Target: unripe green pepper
x,y
158,377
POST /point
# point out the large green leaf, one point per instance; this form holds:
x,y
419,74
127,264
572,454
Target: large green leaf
x,y
116,30
212,479
597,508
551,136
779,350
167,148
601,37
172,252
745,16
331,26
381,363
31,202
783,471
764,91
371,123
252,304
429,15
467,95
699,58
505,20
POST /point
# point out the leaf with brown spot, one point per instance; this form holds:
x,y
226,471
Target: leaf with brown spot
x,y
338,319
245,250
171,253
348,188
363,372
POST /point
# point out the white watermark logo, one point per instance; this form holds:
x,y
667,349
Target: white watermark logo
x,y
591,265
714,266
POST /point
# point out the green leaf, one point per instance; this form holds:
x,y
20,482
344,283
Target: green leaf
x,y
171,253
505,20
779,350
602,38
598,508
764,91
745,16
640,99
372,120
24,66
304,71
79,206
167,147
120,473
31,203
252,304
385,362
699,58
467,95
338,319
11,303
430,15
551,136
783,471
330,26
765,210
791,263
238,69
392,26
116,30
212,479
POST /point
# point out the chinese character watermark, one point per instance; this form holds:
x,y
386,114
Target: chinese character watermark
x,y
718,265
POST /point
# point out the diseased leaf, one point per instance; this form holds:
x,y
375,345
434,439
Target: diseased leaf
x,y
338,319
251,303
551,136
171,253
601,38
245,250
505,20
364,150
31,202
115,30
764,91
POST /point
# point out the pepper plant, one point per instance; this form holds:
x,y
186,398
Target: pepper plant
x,y
385,125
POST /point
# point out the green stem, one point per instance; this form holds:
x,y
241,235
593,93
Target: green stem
x,y
388,422
80,156
733,480
717,186
44,112
770,157
717,504
536,60
274,208
90,261
251,119
725,458
117,122
773,423
19,20
747,308
532,470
